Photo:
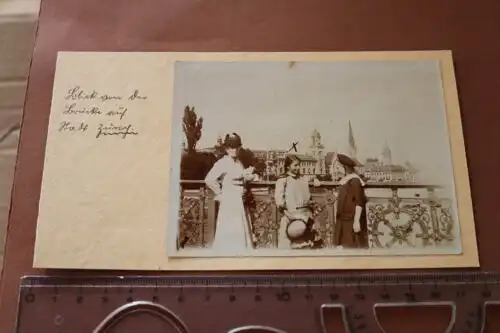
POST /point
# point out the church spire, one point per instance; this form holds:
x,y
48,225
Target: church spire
x,y
386,149
352,144
387,154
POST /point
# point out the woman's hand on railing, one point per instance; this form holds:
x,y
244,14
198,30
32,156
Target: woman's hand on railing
x,y
250,170
316,182
249,177
248,174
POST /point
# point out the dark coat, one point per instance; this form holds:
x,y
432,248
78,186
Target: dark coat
x,y
350,195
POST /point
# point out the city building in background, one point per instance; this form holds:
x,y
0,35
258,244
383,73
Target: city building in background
x,y
316,162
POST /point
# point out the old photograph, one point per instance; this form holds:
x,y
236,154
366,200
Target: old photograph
x,y
310,158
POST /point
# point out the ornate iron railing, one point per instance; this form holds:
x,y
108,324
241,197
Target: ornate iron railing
x,y
421,219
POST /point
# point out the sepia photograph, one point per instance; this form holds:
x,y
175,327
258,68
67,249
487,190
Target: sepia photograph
x,y
311,158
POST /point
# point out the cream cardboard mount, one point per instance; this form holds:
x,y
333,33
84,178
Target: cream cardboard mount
x,y
117,194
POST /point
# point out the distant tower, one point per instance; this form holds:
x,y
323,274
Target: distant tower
x,y
317,150
386,155
315,139
353,150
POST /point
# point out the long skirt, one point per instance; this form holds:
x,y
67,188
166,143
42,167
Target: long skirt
x,y
345,236
232,231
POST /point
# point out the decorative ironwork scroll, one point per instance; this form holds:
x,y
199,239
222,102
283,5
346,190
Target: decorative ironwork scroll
x,y
393,221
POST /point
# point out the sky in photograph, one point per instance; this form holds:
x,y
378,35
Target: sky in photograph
x,y
272,104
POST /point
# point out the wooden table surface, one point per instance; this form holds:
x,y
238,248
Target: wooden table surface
x,y
470,29
18,21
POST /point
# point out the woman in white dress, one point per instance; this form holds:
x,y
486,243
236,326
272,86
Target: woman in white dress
x,y
226,179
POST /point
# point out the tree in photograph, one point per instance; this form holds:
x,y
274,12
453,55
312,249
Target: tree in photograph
x,y
194,165
192,126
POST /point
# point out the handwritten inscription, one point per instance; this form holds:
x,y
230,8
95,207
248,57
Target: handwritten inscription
x,y
116,130
77,93
74,109
67,126
81,105
135,95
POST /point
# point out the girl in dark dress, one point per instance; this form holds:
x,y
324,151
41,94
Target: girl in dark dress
x,y
351,230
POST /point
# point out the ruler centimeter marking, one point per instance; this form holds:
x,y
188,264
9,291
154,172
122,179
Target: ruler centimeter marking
x,y
257,303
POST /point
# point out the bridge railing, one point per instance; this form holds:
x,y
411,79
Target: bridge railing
x,y
399,215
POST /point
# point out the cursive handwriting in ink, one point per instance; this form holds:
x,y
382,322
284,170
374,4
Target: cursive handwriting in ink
x,y
67,126
116,130
77,93
105,98
72,109
136,95
121,112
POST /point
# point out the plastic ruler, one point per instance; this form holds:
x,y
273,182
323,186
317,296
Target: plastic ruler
x,y
242,303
